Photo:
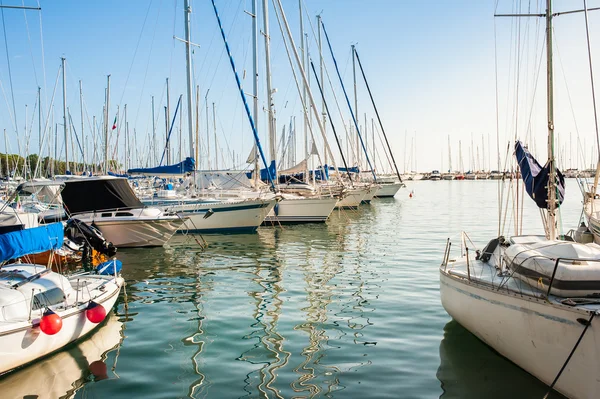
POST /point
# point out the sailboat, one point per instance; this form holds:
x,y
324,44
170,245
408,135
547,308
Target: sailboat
x,y
533,299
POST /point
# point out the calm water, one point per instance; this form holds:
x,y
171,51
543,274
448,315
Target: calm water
x,y
349,309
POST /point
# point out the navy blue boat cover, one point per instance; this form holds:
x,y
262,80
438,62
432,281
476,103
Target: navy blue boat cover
x,y
183,167
535,177
31,241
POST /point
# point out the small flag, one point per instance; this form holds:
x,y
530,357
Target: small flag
x,y
114,124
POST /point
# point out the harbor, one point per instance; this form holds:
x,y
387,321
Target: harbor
x,y
248,199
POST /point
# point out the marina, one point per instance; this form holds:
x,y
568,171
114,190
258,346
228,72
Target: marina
x,y
212,200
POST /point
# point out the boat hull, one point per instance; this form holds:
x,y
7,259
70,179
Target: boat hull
x,y
138,233
301,210
353,198
24,342
388,190
534,334
225,217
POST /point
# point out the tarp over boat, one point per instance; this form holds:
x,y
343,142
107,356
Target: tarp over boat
x,y
31,241
536,177
98,194
186,166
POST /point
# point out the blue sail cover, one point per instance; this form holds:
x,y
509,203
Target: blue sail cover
x,y
264,175
536,179
31,241
353,169
183,167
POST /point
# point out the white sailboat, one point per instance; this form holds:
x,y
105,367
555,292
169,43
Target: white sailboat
x,y
533,299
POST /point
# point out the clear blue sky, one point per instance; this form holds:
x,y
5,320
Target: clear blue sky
x,y
431,67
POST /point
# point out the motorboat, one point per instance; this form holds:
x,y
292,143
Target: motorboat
x,y
109,203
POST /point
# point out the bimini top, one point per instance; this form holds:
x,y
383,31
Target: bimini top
x,y
98,194
31,241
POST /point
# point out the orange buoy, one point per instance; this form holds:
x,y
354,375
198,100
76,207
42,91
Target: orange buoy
x,y
95,312
51,323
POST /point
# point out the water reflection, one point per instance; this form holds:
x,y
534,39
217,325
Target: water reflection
x,y
68,371
471,369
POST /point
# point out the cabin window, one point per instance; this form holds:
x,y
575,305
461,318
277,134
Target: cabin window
x,y
107,214
48,298
123,214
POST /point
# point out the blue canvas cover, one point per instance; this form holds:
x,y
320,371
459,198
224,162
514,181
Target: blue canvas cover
x,y
535,177
353,169
31,241
264,174
183,167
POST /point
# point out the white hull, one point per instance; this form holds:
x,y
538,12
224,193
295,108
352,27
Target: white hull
x,y
301,210
388,190
535,334
67,370
144,227
370,194
137,233
235,216
22,342
353,198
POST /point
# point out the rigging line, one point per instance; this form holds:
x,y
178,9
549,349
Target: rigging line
x,y
148,62
304,107
348,102
43,57
12,119
48,120
12,93
237,79
587,33
135,53
376,113
331,121
30,48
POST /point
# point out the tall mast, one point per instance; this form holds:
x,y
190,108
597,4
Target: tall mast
x,y
39,122
305,110
255,89
207,132
106,125
188,63
551,230
355,105
127,149
272,146
215,135
82,134
323,110
154,133
168,126
65,113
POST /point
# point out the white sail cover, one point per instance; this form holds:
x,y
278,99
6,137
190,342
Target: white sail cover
x,y
299,168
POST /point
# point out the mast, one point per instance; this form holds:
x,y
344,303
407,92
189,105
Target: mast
x,y
207,132
82,134
303,57
271,111
355,106
154,133
551,230
215,135
255,89
188,64
62,59
127,149
168,126
322,79
39,122
106,125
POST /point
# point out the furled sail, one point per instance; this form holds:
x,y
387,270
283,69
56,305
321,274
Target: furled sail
x,y
535,177
186,166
